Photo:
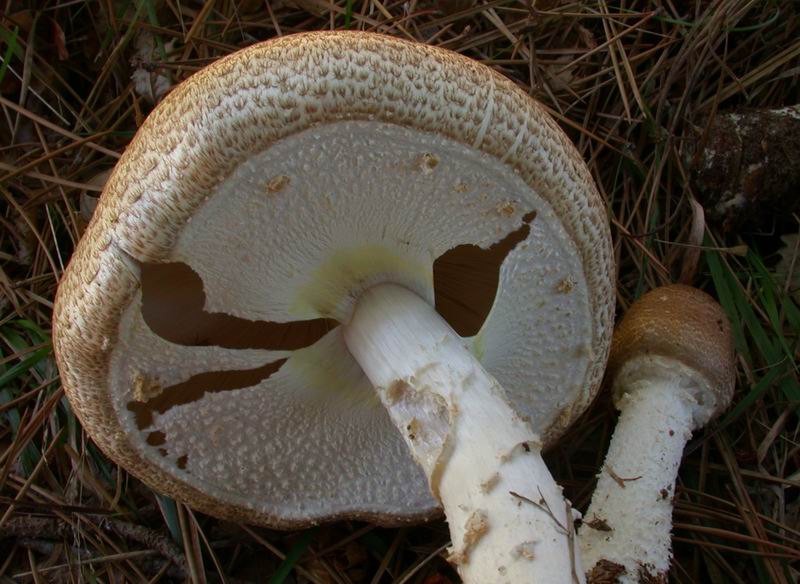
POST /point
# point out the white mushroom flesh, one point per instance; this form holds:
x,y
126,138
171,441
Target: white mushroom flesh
x,y
307,440
298,232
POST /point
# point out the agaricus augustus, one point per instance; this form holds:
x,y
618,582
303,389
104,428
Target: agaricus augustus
x,y
672,368
268,253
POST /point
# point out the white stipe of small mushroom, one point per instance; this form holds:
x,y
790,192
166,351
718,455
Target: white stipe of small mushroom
x,y
311,441
142,354
508,519
329,196
630,517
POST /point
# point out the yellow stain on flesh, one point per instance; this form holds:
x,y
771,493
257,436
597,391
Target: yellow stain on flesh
x,y
347,272
478,345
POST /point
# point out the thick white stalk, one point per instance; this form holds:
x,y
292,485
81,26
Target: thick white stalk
x,y
629,521
508,519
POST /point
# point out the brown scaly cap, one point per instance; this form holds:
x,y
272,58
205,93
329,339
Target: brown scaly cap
x,y
682,323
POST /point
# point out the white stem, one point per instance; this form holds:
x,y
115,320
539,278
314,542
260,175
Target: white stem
x,y
508,520
630,517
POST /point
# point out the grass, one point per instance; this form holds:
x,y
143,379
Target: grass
x,y
630,81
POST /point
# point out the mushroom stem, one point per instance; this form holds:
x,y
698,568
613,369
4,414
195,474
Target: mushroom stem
x,y
509,521
629,520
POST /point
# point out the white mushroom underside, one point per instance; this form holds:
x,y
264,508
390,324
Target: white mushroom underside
x,y
296,233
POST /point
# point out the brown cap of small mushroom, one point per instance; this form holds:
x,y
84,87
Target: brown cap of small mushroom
x,y
680,323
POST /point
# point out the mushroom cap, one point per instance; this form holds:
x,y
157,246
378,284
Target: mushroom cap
x,y
288,177
679,323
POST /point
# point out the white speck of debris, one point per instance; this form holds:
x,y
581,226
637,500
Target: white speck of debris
x,y
736,201
792,111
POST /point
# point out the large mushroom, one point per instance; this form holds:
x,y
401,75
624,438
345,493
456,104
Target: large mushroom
x,y
672,368
353,179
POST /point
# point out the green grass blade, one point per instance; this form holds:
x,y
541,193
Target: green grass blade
x,y
37,334
775,303
755,393
348,13
724,288
170,511
12,48
15,371
29,457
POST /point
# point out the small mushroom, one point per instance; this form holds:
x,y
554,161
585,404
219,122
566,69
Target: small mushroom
x,y
672,369
348,181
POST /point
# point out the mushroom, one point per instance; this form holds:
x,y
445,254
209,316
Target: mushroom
x,y
672,369
326,190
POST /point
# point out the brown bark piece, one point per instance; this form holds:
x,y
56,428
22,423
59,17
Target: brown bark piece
x,y
745,169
